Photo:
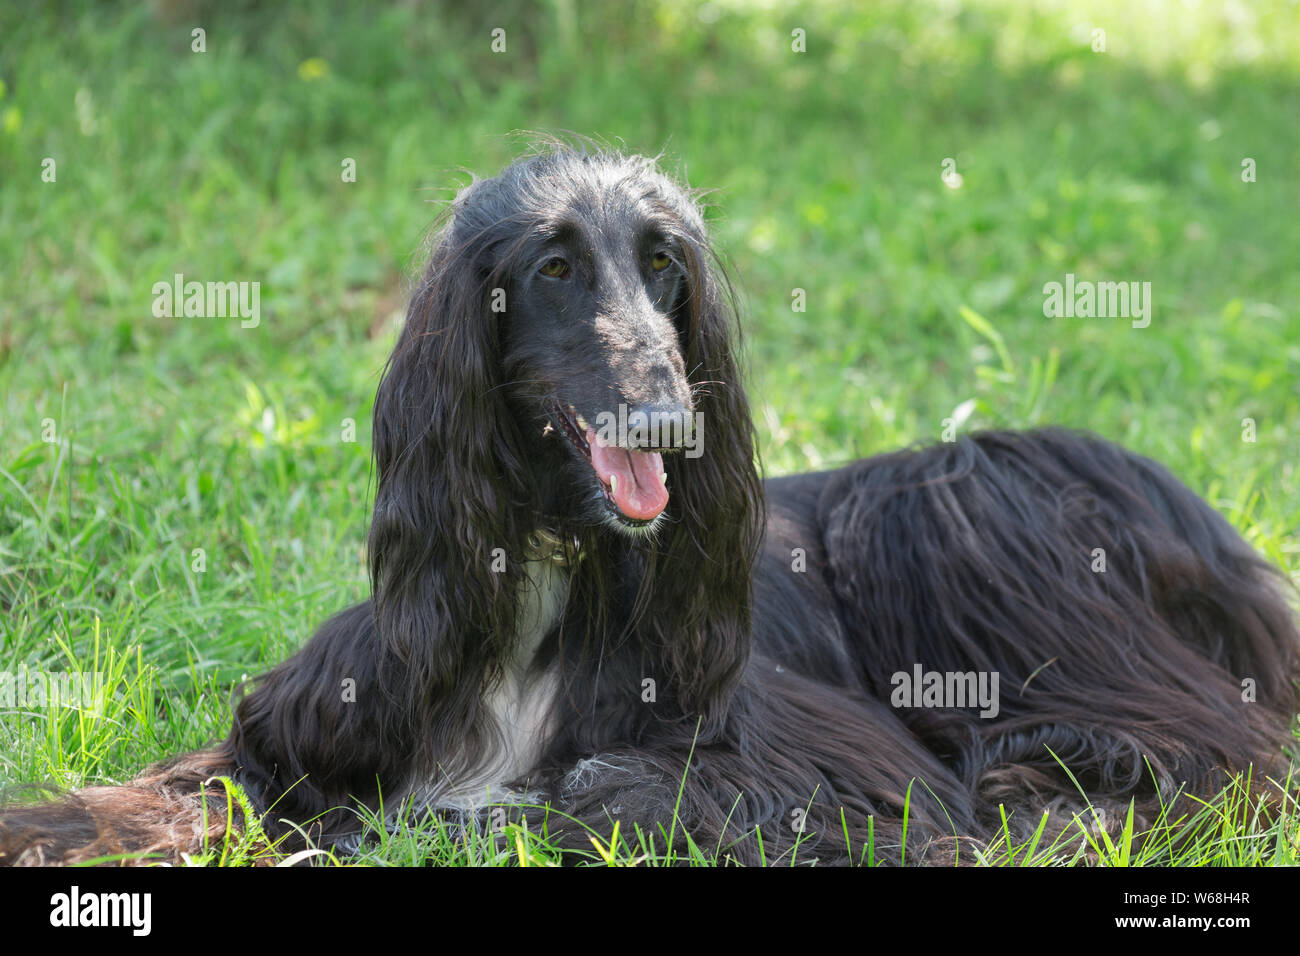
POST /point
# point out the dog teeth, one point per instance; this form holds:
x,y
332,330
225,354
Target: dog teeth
x,y
582,423
613,483
663,477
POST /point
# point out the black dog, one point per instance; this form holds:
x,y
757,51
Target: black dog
x,y
584,594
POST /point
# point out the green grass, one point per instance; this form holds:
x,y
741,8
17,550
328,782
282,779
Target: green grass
x,y
924,302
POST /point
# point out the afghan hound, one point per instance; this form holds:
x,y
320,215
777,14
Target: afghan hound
x,y
585,597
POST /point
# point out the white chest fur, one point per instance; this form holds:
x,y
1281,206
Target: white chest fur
x,y
516,711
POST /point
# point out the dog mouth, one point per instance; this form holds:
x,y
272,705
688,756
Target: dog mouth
x,y
634,482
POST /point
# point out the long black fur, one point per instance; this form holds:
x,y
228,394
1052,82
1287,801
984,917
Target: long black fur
x,y
765,619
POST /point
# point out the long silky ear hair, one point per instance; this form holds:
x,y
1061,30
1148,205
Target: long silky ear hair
x,y
451,490
696,597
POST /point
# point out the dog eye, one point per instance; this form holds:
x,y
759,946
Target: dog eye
x,y
555,268
660,262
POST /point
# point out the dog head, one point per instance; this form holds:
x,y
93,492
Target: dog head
x,y
568,364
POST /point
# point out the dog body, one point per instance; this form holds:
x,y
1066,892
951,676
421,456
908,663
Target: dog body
x,y
614,626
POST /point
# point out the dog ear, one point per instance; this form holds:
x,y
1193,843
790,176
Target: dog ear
x,y
451,485
703,615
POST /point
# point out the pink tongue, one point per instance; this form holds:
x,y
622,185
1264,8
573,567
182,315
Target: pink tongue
x,y
638,492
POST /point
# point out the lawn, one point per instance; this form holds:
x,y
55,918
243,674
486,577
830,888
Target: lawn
x,y
183,500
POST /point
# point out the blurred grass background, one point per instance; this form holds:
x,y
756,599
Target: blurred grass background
x,y
171,435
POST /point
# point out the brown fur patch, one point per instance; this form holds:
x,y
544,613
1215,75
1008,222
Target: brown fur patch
x,y
157,817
